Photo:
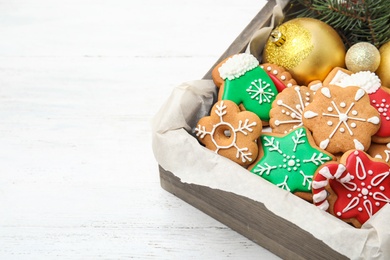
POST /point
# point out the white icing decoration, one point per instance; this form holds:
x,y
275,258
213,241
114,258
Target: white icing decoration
x,y
359,94
261,91
310,114
375,120
324,143
326,92
358,145
366,80
316,86
319,184
320,196
237,65
242,128
284,184
338,77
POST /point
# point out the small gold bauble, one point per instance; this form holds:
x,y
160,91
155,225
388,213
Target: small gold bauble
x,y
362,56
308,48
383,70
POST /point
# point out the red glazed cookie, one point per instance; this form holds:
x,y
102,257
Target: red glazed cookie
x,y
354,189
281,77
286,112
341,119
230,133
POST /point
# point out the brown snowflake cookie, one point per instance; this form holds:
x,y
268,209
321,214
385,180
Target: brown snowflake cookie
x,y
230,132
380,151
341,119
281,77
286,112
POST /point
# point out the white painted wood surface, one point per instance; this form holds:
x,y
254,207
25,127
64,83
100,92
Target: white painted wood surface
x,y
80,81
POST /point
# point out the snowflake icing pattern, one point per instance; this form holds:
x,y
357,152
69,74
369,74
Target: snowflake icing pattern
x,y
243,127
261,91
290,161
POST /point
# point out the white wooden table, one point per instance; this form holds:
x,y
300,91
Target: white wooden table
x,y
80,81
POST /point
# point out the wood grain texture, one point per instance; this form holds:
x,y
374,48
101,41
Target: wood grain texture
x,y
80,82
251,219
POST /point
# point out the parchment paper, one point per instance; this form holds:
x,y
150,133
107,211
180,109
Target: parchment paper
x,y
178,151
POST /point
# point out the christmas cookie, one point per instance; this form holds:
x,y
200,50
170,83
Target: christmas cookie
x,y
281,77
218,81
246,84
286,112
230,132
354,189
290,161
335,76
380,151
341,119
379,98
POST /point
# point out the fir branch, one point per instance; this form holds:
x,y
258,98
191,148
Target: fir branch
x,y
355,20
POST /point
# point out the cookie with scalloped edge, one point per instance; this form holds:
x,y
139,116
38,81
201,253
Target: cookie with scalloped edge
x,y
230,132
341,119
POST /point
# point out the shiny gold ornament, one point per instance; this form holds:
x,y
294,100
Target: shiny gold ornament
x,y
362,56
383,70
308,48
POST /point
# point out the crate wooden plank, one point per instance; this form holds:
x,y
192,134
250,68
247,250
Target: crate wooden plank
x,y
251,219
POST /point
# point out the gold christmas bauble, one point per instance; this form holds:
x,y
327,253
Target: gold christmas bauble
x,y
383,70
362,56
308,48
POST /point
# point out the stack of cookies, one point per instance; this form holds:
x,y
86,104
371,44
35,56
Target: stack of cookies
x,y
327,142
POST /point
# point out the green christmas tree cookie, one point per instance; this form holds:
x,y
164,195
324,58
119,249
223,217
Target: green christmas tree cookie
x,y
247,84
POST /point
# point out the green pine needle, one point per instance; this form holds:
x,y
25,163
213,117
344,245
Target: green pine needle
x,y
355,20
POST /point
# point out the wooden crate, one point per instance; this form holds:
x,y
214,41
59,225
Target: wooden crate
x,y
270,231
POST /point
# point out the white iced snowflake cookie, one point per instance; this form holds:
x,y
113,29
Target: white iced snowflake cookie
x,y
341,119
287,109
230,132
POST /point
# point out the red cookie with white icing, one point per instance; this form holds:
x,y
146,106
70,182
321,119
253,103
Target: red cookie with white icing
x,y
230,132
354,189
341,119
381,101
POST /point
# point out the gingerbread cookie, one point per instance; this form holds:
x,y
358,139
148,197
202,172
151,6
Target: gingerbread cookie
x,y
218,81
290,161
246,84
335,76
281,77
380,151
286,112
353,190
230,132
379,98
341,119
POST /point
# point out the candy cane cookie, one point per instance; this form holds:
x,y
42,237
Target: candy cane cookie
x,y
354,189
